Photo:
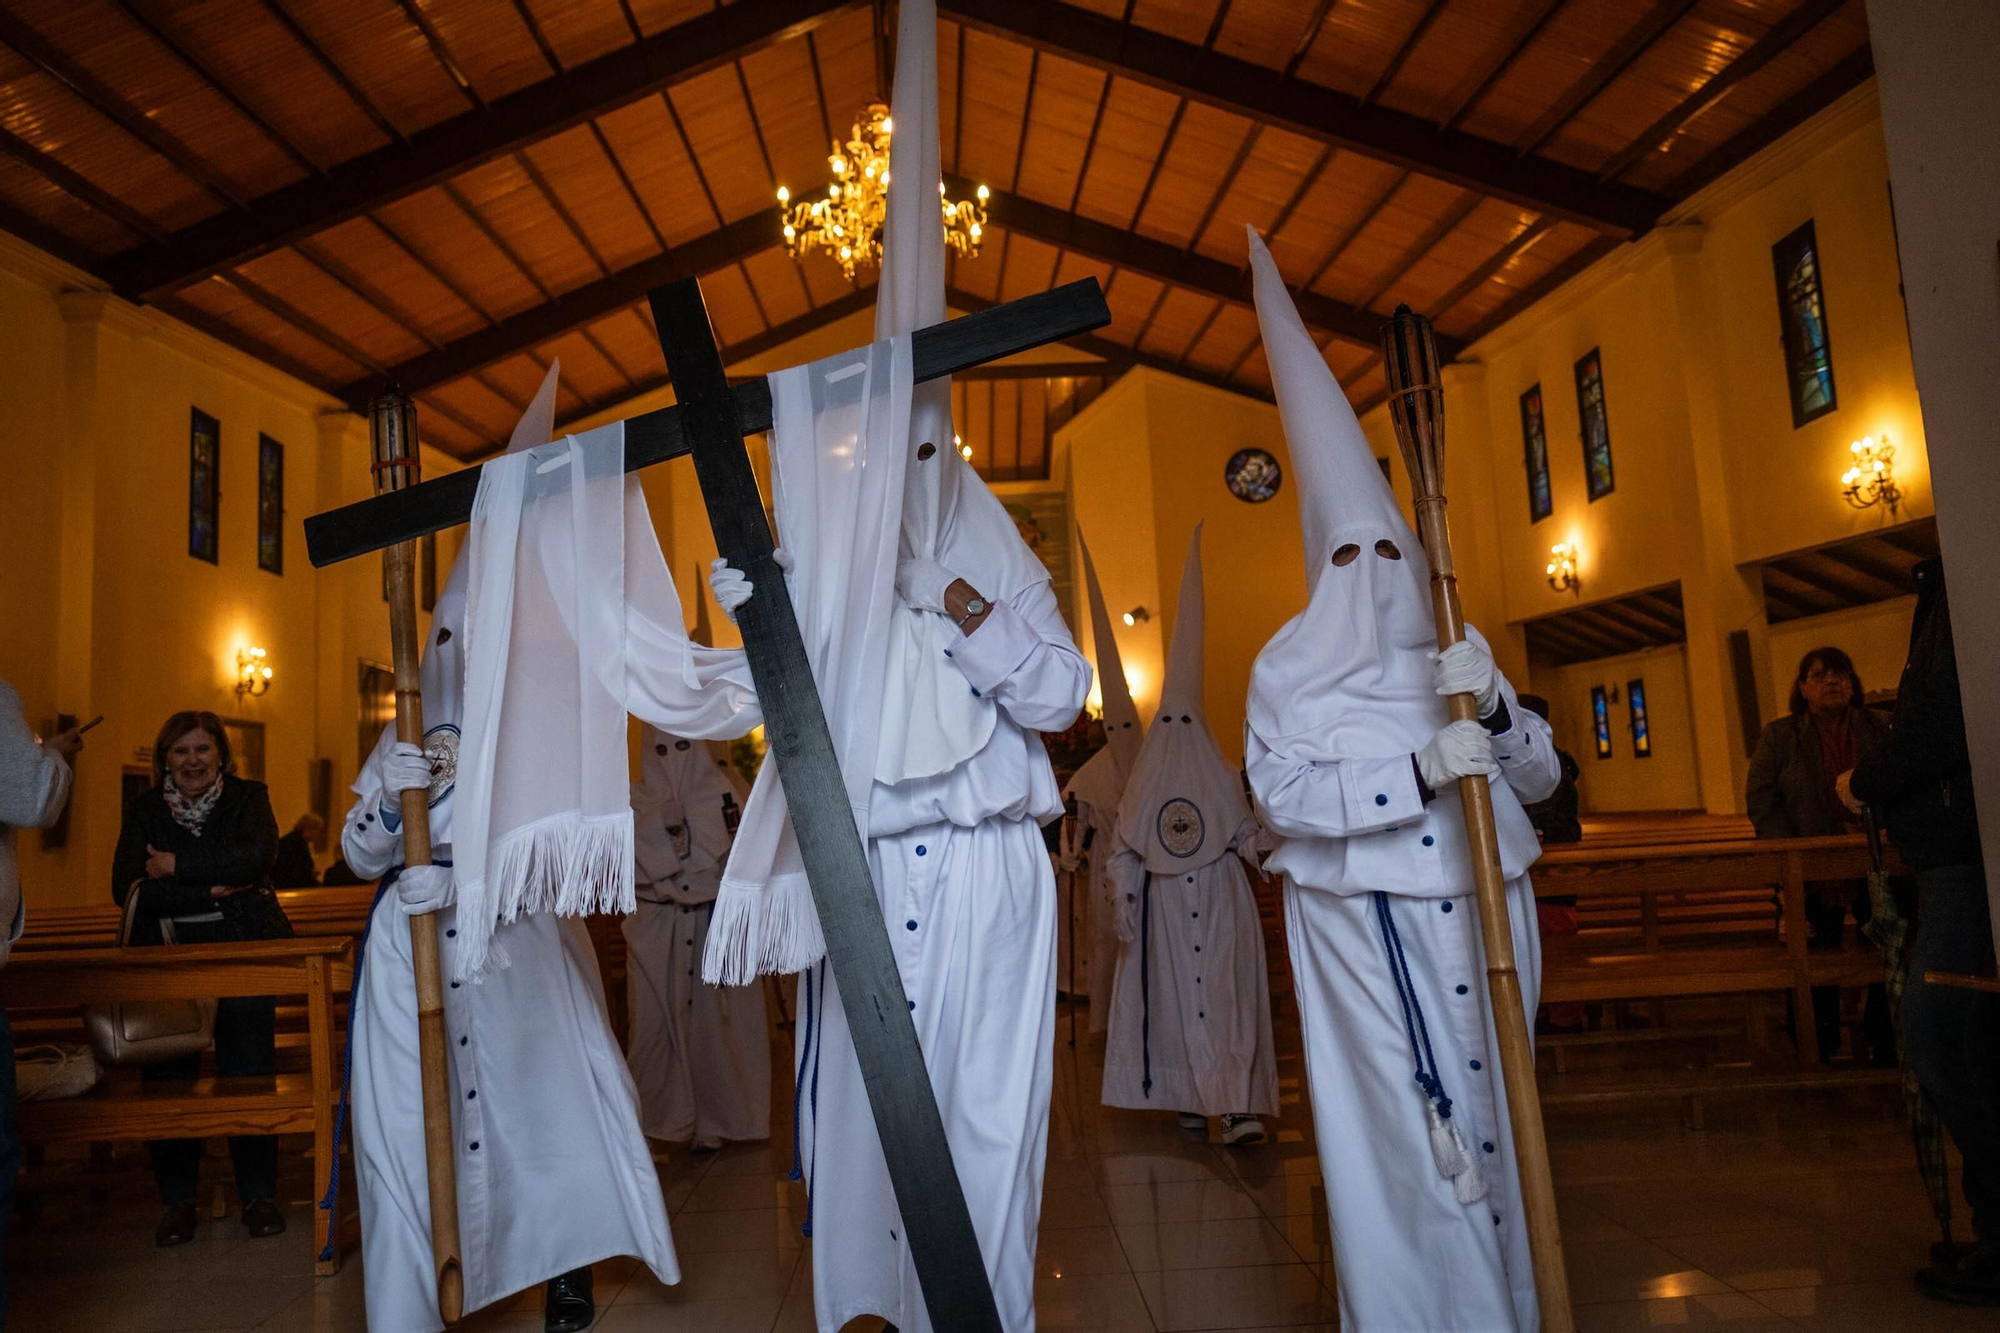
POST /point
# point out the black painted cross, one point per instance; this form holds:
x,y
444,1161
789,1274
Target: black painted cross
x,y
709,421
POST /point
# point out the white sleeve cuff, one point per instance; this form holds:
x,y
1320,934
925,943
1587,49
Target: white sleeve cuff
x,y
995,650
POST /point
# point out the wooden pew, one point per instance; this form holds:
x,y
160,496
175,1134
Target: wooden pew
x,y
122,1108
1668,921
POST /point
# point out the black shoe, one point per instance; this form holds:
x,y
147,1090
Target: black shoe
x,y
1974,1280
176,1225
1948,1253
568,1307
261,1218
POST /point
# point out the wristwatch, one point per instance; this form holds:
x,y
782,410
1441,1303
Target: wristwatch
x,y
975,607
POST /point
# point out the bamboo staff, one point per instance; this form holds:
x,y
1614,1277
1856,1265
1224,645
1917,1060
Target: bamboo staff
x,y
1416,405
392,422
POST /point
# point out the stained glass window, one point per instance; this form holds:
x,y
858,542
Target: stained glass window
x,y
1642,731
1600,721
1596,425
1535,448
204,485
1802,311
270,505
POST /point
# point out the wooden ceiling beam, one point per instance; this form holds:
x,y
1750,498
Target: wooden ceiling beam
x,y
1850,72
450,147
1118,358
571,310
1638,40
1262,94
1172,265
1775,41
1855,556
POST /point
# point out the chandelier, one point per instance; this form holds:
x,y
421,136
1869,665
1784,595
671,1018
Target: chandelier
x,y
847,223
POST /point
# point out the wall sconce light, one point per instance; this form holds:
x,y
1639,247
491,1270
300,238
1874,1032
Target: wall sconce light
x,y
253,673
1871,480
1137,614
964,449
1562,569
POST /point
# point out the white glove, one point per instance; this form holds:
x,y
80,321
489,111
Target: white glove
x,y
730,585
1467,668
921,584
405,768
1458,750
424,889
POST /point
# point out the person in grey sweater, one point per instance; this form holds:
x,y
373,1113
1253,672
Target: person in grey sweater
x,y
34,787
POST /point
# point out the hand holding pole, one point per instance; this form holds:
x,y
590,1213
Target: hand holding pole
x,y
1416,406
392,422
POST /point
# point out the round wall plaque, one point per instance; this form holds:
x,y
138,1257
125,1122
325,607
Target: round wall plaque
x,y
1253,475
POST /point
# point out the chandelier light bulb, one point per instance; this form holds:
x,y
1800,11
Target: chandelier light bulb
x,y
848,223
1870,479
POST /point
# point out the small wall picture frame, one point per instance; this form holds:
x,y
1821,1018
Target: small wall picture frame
x,y
1596,425
1600,720
1642,731
204,486
270,505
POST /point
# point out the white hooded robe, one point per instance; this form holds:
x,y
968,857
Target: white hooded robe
x,y
553,1173
962,785
1190,1026
1341,698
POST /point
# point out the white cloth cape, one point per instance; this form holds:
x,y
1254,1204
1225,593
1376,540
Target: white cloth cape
x,y
572,621
1183,806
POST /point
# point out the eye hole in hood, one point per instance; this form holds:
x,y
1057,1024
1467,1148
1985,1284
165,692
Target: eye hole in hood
x,y
1387,550
1345,555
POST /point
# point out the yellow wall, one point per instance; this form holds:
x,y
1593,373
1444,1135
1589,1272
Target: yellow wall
x,y
1145,464
1667,780
1711,477
106,611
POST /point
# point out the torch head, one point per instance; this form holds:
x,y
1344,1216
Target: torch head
x,y
1416,399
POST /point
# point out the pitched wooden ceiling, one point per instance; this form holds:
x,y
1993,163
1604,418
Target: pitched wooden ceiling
x,y
449,193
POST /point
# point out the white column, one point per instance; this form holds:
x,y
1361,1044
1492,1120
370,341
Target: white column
x,y
1935,62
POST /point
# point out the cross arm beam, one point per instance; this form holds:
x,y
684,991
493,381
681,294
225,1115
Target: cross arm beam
x,y
1265,95
654,437
536,112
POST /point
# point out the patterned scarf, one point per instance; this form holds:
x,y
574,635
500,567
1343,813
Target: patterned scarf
x,y
191,812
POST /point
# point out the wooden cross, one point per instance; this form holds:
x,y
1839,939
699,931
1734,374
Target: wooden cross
x,y
709,421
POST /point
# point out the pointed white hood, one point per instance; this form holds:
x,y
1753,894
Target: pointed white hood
x,y
931,722
1183,803
441,676
1349,676
1121,715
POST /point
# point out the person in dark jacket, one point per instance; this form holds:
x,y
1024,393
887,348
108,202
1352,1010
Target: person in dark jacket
x,y
1790,794
1920,784
295,869
1558,820
198,848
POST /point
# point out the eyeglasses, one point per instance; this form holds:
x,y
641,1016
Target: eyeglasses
x,y
1819,675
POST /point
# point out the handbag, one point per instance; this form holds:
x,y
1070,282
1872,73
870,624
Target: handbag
x,y
55,1070
144,1032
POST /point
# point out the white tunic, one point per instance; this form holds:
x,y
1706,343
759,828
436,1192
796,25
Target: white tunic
x,y
700,1054
1087,854
1408,1255
1191,1012
553,1173
968,899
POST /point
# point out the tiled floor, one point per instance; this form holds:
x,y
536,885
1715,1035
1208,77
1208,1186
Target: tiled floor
x,y
1786,1212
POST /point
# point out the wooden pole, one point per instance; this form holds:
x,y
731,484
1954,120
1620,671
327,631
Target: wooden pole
x,y
1416,406
392,422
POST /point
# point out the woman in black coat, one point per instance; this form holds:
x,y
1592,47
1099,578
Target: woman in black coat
x,y
197,848
1791,794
